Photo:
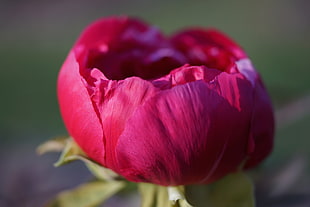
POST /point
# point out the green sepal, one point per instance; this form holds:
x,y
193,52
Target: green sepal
x,y
234,190
71,152
54,145
97,170
161,196
89,194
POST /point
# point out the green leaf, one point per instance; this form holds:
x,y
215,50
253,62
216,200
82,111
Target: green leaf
x,y
160,196
55,145
234,190
71,152
87,195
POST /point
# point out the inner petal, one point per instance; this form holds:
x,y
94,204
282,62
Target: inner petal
x,y
135,51
144,62
209,48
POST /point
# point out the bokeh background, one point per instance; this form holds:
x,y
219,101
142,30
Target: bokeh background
x,y
35,37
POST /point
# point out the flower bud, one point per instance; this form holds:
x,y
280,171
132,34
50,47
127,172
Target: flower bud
x,y
176,110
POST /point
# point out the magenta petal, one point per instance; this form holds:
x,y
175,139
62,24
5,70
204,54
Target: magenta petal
x,y
106,32
123,47
208,47
189,134
208,37
117,106
77,110
236,89
225,42
262,127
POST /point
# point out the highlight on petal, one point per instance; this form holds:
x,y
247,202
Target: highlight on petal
x,y
247,69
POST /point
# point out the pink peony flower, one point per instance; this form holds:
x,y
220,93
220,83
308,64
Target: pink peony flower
x,y
176,110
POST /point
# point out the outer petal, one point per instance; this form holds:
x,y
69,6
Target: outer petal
x,y
116,106
262,122
262,126
77,110
192,133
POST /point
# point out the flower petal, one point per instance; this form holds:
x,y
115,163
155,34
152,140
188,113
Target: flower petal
x,y
122,47
77,110
208,47
117,106
181,135
262,126
106,31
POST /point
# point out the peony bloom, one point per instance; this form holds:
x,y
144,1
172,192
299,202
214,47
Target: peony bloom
x,y
176,110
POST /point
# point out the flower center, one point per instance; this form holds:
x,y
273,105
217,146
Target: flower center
x,y
145,53
146,63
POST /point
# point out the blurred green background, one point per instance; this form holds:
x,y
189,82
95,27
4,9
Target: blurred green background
x,y
35,37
